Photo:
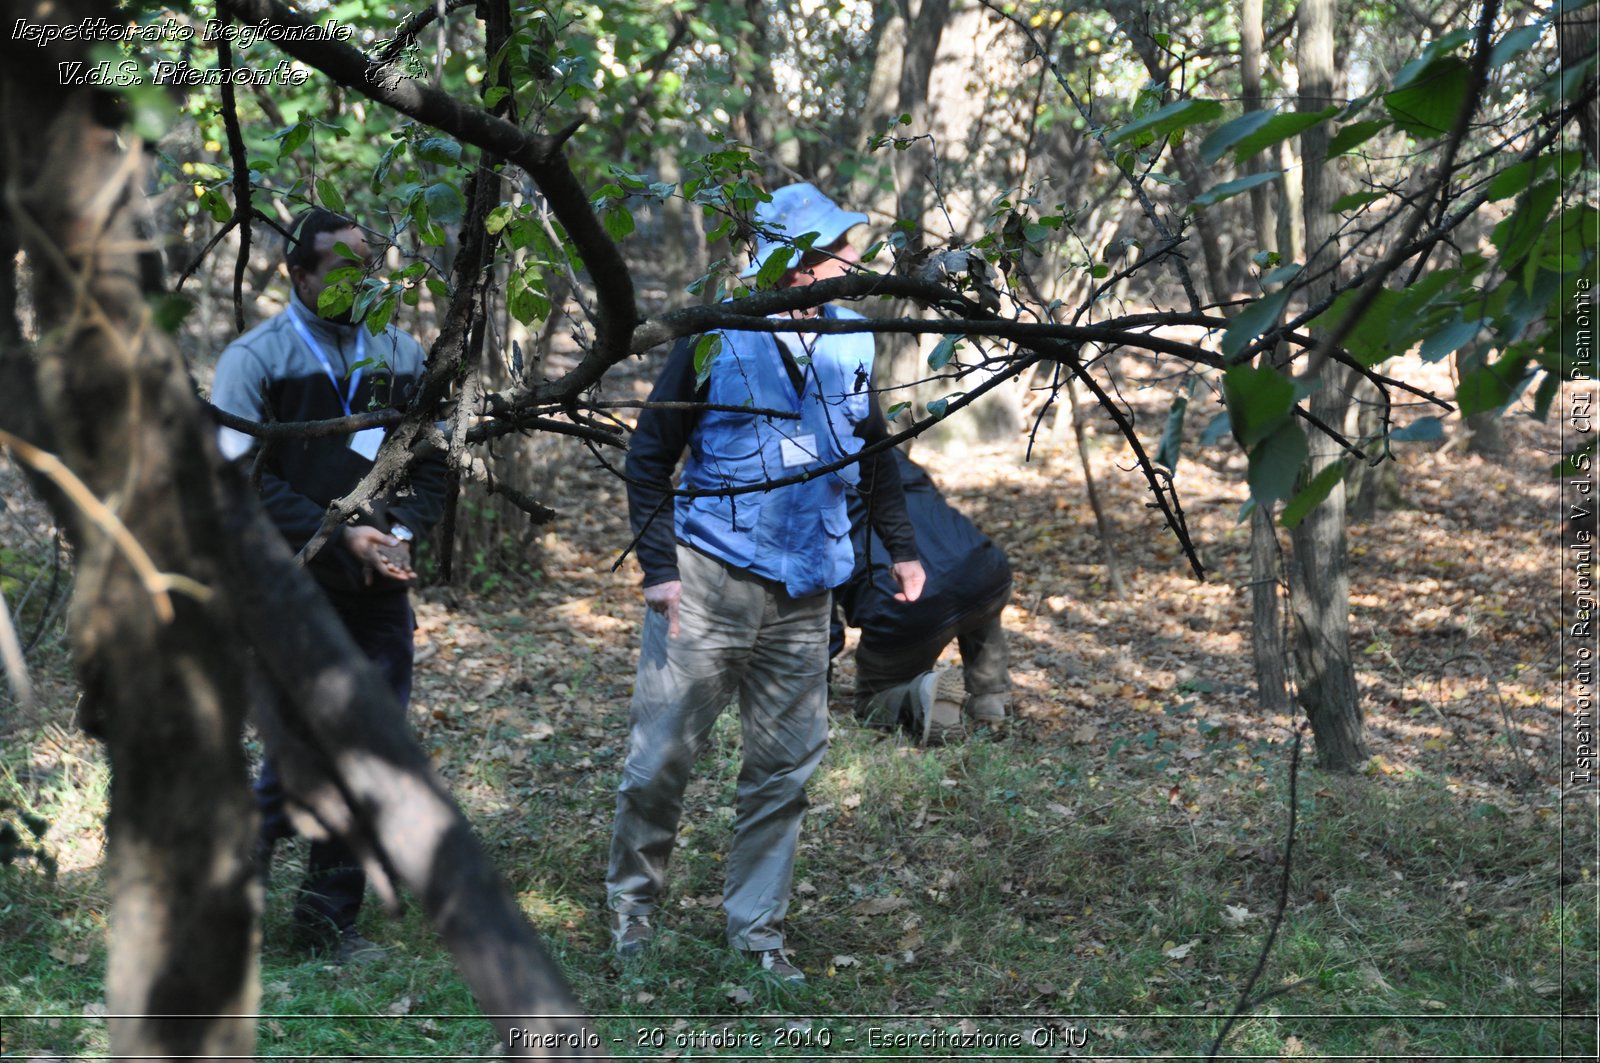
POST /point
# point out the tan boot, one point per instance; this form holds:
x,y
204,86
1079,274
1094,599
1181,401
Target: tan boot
x,y
940,697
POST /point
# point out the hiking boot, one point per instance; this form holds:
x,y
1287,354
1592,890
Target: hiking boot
x,y
630,933
939,698
353,948
776,963
987,708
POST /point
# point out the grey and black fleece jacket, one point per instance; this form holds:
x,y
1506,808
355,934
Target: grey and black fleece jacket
x,y
269,374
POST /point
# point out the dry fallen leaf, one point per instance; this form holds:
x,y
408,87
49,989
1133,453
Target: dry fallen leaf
x,y
738,996
1178,952
879,905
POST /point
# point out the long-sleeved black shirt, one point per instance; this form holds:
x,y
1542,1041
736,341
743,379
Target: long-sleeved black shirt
x,y
659,440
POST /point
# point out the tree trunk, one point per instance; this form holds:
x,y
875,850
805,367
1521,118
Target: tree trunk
x,y
1320,591
1267,648
164,690
179,570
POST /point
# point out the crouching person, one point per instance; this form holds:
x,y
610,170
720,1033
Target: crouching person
x,y
968,585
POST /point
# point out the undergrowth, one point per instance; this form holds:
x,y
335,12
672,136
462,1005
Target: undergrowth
x,y
1006,885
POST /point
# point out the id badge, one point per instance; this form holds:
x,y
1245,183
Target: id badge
x,y
366,443
801,450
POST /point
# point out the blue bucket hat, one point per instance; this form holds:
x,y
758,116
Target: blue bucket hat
x,y
796,211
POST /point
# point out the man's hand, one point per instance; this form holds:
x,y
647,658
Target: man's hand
x,y
663,598
910,577
379,553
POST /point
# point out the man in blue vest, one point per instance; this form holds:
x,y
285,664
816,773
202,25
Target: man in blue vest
x,y
737,584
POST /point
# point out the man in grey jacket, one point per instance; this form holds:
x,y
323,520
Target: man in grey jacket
x,y
301,366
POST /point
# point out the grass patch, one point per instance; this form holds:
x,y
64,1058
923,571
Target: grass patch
x,y
1021,876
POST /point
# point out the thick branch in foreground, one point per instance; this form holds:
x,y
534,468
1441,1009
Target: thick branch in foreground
x,y
182,973
351,761
165,694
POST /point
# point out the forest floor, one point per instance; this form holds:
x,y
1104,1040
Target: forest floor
x,y
1096,879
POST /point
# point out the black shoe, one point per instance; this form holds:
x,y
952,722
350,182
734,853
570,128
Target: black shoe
x,y
353,948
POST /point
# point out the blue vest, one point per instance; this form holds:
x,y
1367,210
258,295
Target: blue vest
x,y
798,535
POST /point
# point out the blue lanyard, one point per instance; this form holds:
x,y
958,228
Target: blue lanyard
x,y
327,366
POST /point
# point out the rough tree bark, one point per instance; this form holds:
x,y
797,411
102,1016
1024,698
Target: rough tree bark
x,y
1267,647
178,572
162,691
1320,588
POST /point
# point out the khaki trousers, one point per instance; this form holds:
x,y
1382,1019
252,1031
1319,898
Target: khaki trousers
x,y
739,635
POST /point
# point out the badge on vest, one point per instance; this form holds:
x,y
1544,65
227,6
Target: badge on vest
x,y
366,443
801,450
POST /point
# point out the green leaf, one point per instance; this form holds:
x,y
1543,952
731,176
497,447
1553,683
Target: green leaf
x,y
1228,134
1174,116
440,150
896,410
706,350
1428,106
1171,447
377,318
1252,321
1259,398
1280,127
1381,333
1354,201
498,219
1282,274
328,195
1275,463
618,222
293,137
941,354
1354,135
1513,179
1490,386
1515,43
1516,235
1311,495
168,309
1576,75
1422,430
775,266
335,300
1229,189
1447,339
1215,429
1415,70
445,202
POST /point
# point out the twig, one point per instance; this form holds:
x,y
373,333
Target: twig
x,y
242,210
158,584
1246,1001
16,664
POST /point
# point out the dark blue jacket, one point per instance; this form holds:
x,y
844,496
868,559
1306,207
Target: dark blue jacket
x,y
968,575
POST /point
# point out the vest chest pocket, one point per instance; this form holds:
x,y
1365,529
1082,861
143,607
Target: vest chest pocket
x,y
836,521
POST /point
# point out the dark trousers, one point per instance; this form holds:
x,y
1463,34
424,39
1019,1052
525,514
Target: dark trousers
x,y
886,676
330,895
